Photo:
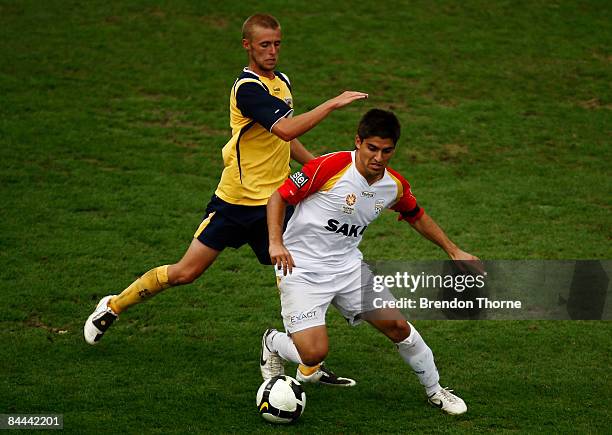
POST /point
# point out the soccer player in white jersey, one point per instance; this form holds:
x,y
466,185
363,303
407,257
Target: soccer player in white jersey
x,y
318,261
256,161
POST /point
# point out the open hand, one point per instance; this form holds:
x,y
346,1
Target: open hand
x,y
347,97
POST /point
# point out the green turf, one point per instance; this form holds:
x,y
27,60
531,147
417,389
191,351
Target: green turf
x,y
112,117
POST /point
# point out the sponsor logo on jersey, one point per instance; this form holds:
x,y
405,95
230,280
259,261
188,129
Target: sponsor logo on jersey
x,y
368,194
302,316
348,230
379,205
351,198
299,179
276,90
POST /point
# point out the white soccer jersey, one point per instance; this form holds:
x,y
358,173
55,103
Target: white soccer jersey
x,y
334,206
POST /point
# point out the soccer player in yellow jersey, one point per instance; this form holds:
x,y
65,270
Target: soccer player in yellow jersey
x,y
256,159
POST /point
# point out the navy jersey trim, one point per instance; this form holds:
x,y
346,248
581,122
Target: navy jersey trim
x,y
246,74
284,78
243,130
289,112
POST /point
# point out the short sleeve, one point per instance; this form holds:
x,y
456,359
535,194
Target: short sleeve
x,y
407,205
256,103
314,176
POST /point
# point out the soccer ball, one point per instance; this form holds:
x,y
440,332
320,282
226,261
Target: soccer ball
x,y
281,399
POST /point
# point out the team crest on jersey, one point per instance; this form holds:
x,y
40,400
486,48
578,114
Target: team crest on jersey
x,y
299,179
379,205
351,198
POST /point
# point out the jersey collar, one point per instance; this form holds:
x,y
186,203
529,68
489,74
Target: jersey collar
x,y
246,69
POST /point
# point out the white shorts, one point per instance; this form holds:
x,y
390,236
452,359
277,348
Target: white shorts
x,y
305,296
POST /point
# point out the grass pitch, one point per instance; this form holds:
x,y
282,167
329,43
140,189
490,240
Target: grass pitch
x,y
112,117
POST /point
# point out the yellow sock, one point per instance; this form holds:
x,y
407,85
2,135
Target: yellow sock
x,y
148,285
308,370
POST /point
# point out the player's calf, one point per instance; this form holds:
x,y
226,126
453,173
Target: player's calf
x,y
390,322
397,330
312,344
313,356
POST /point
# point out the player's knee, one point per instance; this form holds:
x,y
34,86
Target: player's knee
x,y
314,356
398,330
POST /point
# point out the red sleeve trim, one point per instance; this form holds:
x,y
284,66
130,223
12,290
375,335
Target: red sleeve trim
x,y
406,205
313,176
412,219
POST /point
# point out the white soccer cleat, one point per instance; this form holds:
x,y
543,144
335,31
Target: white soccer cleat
x,y
99,321
448,402
269,362
324,376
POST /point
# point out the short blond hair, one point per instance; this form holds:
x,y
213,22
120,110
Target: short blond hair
x,y
262,20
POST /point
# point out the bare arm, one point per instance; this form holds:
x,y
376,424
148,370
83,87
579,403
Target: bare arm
x,y
290,128
299,153
279,255
429,229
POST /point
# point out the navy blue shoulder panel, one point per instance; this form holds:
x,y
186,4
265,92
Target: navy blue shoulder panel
x,y
249,75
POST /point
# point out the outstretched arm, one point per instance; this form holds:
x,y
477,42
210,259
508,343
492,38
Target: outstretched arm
x,y
279,255
290,128
429,229
299,153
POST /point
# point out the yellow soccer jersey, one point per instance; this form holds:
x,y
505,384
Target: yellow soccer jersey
x,y
256,161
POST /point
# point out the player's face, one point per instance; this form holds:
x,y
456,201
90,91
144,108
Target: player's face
x,y
373,155
263,49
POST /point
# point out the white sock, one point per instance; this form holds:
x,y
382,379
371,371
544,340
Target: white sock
x,y
282,344
420,357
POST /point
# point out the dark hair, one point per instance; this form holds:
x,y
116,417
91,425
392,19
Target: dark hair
x,y
381,123
262,20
